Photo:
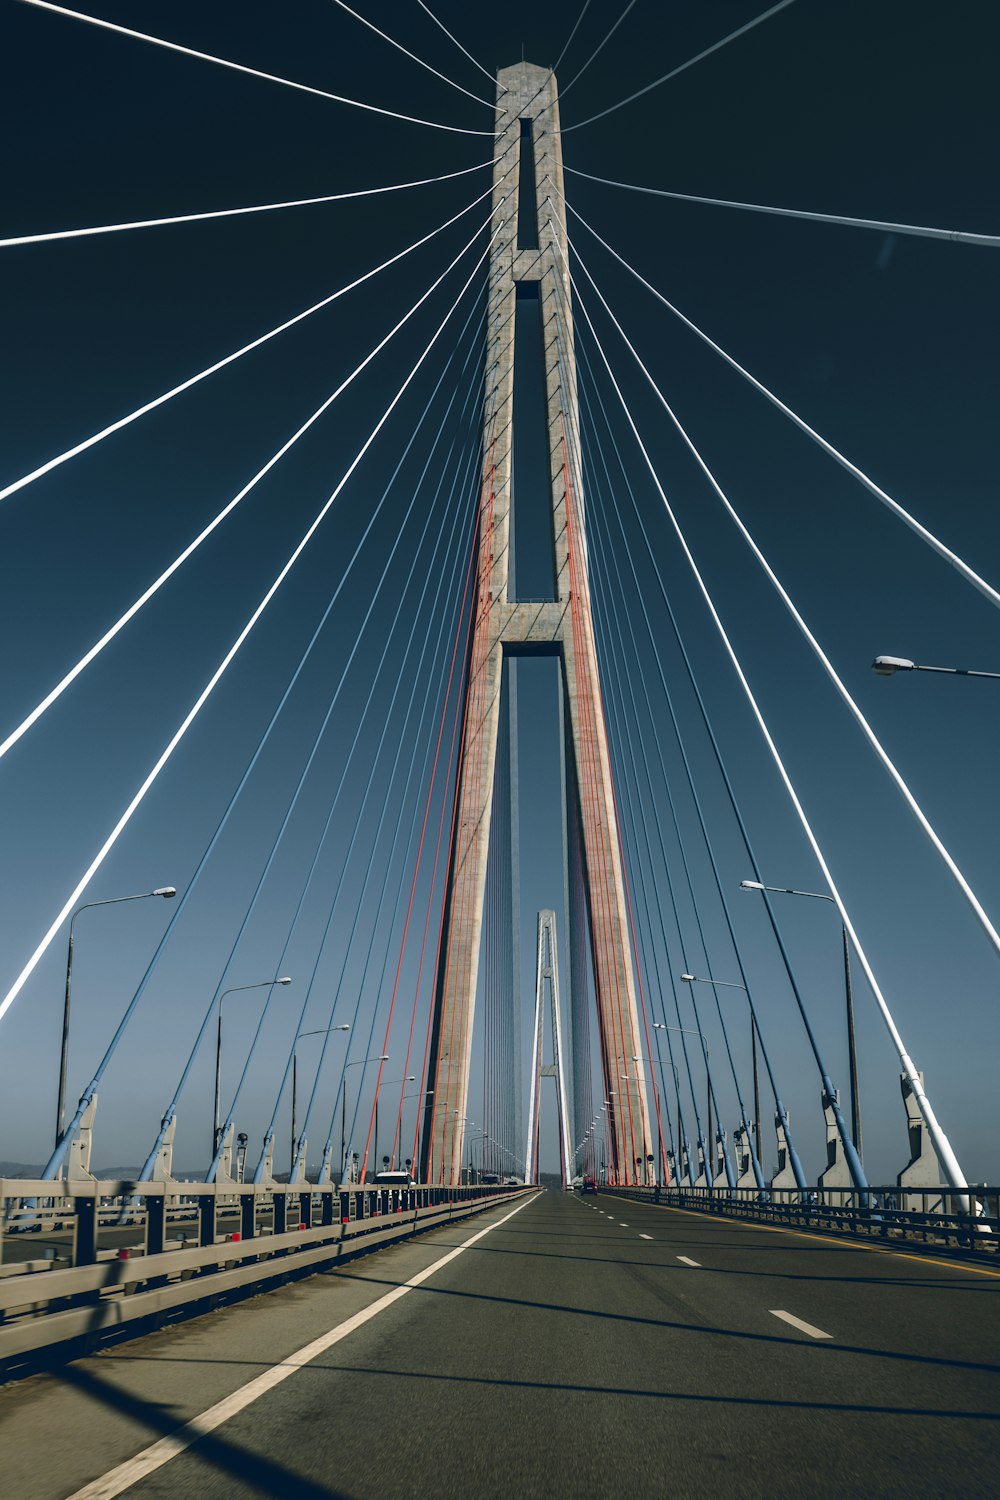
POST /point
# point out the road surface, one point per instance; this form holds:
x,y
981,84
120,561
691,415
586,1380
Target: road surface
x,y
577,1347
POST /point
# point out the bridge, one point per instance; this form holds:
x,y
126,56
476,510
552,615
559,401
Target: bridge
x,y
449,569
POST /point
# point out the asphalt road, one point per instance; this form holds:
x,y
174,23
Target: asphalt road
x,y
588,1347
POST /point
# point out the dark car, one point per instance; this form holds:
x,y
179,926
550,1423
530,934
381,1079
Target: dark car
x,y
588,1185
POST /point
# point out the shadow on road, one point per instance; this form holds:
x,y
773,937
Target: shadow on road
x,y
260,1474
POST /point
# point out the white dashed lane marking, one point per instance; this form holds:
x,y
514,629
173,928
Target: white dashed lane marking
x,y
689,1262
645,1236
787,1317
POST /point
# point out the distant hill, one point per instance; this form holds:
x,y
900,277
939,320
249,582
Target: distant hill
x,y
104,1174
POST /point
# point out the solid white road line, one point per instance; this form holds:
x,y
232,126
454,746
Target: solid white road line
x,y
689,1262
787,1317
645,1236
154,1457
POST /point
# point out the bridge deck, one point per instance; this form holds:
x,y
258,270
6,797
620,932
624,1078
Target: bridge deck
x,y
578,1347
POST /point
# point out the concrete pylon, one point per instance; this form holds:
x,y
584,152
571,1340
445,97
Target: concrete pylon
x,y
547,982
784,1179
923,1170
528,259
837,1173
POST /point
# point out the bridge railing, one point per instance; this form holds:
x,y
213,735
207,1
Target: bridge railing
x,y
931,1216
86,1258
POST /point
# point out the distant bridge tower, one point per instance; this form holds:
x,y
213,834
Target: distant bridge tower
x,y
547,988
528,261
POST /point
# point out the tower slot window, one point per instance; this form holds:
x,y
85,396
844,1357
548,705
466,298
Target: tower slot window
x,y
532,558
527,197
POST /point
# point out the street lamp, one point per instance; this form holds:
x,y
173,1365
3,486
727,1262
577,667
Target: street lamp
x,y
323,1031
852,1051
687,1030
888,666
477,1135
389,1083
261,984
417,1094
732,984
706,1139
635,1078
682,1140
359,1062
163,890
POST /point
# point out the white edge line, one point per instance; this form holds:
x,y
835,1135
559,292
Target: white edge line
x,y
154,1457
787,1317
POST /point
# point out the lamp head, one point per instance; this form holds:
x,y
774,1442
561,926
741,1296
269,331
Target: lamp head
x,y
888,666
688,978
751,885
285,979
165,890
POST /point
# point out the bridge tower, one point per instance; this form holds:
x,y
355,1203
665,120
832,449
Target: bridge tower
x,y
547,988
529,259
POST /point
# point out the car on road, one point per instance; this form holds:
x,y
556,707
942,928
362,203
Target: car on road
x,y
588,1185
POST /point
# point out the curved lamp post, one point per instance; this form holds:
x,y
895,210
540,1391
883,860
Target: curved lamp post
x,y
162,890
888,666
323,1031
852,1049
359,1062
261,984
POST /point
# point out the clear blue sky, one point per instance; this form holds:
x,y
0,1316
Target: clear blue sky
x,y
886,344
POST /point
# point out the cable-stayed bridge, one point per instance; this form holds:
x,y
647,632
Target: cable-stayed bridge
x,y
455,649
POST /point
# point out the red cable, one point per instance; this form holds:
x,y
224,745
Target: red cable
x,y
584,638
413,888
473,702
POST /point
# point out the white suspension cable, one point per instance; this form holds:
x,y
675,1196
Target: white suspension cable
x,y
958,236
412,55
206,692
942,1145
555,66
458,44
598,49
224,62
569,39
824,660
220,364
782,4
228,213
898,510
192,547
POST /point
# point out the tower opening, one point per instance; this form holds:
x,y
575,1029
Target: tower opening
x,y
527,193
533,565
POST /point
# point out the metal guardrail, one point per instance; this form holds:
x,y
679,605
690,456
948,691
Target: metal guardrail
x,y
927,1216
177,1245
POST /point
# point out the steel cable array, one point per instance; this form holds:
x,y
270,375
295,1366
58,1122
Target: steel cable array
x,y
223,62
668,697
941,1143
224,664
448,536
